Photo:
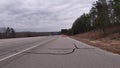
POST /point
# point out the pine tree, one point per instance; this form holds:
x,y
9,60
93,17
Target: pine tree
x,y
102,20
13,33
8,32
116,4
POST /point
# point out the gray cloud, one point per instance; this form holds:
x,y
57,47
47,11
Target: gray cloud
x,y
41,15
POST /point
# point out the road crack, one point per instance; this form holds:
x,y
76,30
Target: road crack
x,y
73,50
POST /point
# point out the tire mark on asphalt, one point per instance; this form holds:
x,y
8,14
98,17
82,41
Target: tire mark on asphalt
x,y
71,52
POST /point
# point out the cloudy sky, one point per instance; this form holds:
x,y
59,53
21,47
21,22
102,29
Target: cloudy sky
x,y
41,15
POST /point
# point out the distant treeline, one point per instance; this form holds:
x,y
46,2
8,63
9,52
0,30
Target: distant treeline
x,y
7,32
35,34
103,14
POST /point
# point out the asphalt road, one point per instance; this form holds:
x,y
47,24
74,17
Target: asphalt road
x,y
10,46
56,52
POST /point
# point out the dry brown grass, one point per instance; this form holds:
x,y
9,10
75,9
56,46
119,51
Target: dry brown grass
x,y
95,38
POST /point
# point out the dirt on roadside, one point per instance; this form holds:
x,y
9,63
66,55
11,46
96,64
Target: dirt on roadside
x,y
110,43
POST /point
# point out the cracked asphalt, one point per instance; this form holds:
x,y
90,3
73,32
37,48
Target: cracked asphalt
x,y
64,52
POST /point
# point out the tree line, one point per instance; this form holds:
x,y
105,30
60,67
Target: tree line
x,y
103,14
7,32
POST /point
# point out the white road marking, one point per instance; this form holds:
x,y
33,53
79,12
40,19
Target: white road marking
x,y
24,50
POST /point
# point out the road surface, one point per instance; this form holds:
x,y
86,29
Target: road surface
x,y
54,52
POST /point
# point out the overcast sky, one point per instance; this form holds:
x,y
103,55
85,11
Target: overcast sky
x,y
41,15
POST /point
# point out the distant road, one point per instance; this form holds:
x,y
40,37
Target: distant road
x,y
54,52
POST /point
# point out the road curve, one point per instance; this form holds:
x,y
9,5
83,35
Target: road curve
x,y
63,52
